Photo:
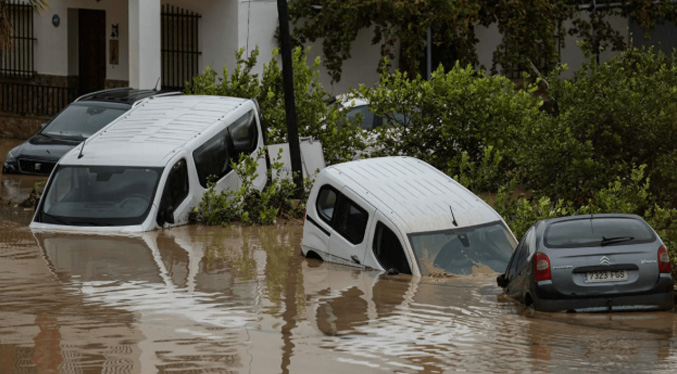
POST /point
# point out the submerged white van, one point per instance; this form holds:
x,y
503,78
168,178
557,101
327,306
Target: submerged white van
x,y
401,215
151,166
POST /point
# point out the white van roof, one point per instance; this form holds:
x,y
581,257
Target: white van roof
x,y
412,193
151,132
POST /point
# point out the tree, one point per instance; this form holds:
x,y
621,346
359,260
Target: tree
x,y
532,30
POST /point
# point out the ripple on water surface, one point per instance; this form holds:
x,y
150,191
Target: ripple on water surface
x,y
242,299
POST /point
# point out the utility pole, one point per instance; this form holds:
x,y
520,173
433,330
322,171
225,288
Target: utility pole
x,y
289,103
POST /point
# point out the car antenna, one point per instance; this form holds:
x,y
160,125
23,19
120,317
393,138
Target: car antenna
x,y
156,84
81,149
453,219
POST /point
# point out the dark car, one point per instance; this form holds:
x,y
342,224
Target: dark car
x,y
75,123
598,262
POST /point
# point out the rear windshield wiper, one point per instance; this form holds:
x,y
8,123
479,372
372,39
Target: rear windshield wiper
x,y
616,240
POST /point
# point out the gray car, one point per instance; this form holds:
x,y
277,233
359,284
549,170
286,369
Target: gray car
x,y
598,262
75,123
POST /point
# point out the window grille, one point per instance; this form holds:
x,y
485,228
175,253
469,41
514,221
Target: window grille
x,y
18,59
180,52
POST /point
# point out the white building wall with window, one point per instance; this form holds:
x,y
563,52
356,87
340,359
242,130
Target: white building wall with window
x,y
56,49
224,27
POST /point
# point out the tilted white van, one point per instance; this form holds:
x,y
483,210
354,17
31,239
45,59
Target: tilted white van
x,y
151,166
401,215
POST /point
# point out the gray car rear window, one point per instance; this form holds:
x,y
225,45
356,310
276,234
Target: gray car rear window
x,y
591,232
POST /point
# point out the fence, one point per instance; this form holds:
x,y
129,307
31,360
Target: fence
x,y
18,60
179,47
28,99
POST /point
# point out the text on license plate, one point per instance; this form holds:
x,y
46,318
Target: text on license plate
x,y
606,276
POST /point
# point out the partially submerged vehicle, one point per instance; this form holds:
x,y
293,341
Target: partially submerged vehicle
x,y
401,215
599,262
83,117
150,167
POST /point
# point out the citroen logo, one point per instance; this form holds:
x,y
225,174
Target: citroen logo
x,y
38,166
605,260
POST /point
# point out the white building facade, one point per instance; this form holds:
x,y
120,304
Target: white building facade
x,y
87,45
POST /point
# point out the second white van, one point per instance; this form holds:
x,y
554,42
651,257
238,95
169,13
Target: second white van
x,y
401,215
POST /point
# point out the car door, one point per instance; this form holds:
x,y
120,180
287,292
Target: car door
x,y
318,221
518,272
385,247
351,220
174,205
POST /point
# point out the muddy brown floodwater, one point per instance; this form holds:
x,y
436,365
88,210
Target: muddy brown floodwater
x,y
243,300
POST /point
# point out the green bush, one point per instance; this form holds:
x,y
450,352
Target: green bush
x,y
315,116
247,204
606,119
454,120
630,196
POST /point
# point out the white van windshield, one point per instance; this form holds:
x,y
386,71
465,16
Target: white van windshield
x,y
99,195
486,247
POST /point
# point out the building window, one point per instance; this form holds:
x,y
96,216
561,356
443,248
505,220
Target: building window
x,y
18,59
179,47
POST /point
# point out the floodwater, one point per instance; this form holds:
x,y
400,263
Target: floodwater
x,y
243,300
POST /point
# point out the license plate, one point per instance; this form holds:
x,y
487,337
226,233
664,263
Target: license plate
x,y
606,276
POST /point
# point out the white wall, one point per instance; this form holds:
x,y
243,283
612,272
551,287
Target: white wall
x,y
217,30
227,25
54,45
360,68
257,22
489,38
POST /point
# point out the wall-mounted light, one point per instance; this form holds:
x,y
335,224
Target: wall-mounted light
x,y
56,20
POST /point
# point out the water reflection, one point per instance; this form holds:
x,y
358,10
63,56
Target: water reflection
x,y
242,299
188,313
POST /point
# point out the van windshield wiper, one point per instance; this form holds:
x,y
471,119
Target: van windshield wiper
x,y
56,218
616,240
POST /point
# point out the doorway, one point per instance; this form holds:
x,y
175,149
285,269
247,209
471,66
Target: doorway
x,y
91,50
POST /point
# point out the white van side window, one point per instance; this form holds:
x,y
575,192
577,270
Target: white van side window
x,y
326,202
344,215
175,191
351,220
213,157
244,134
176,187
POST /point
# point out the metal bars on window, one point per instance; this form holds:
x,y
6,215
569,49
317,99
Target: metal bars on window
x,y
179,47
18,60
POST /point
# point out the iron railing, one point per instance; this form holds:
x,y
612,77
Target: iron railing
x,y
180,52
28,99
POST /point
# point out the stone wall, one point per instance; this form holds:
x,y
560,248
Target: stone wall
x,y
20,127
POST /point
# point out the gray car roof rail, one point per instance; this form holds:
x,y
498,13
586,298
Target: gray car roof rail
x,y
95,93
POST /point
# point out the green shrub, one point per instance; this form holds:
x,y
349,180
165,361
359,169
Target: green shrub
x,y
630,196
247,204
455,119
315,116
606,119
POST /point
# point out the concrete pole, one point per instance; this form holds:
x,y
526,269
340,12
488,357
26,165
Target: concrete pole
x,y
289,103
145,59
